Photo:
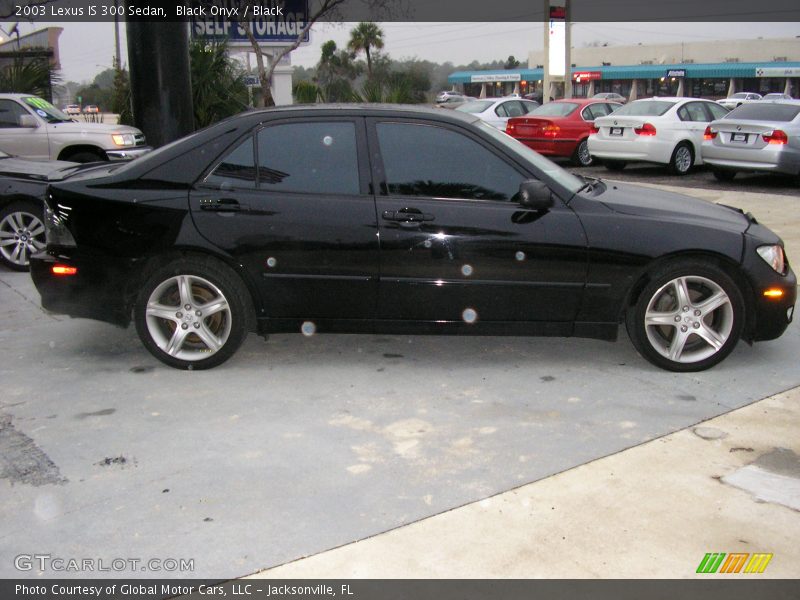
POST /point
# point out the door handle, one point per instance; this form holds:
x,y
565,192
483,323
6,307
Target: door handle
x,y
407,215
220,204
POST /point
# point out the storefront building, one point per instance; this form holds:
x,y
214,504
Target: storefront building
x,y
712,81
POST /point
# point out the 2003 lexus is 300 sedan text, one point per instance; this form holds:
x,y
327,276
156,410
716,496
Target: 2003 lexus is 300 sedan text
x,y
402,220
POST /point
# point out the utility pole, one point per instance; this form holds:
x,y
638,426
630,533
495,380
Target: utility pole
x,y
117,59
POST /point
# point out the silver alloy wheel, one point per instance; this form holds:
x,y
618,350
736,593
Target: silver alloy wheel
x,y
689,319
583,154
683,159
188,317
21,234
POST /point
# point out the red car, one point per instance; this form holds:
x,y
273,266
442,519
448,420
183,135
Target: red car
x,y
561,128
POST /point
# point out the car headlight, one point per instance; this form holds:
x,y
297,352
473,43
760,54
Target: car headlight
x,y
774,257
55,229
123,139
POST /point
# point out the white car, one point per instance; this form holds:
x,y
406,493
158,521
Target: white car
x,y
740,98
497,111
443,96
667,131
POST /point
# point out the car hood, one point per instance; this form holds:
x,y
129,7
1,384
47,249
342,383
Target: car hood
x,y
45,170
668,206
78,127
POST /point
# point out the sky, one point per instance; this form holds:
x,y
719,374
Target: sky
x,y
88,48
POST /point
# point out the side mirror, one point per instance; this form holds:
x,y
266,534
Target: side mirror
x,y
28,121
535,195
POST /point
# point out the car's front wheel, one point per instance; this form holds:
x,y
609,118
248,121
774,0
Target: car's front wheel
x,y
581,156
21,234
689,317
192,313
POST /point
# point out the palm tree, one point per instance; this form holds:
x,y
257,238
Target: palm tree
x,y
28,77
363,37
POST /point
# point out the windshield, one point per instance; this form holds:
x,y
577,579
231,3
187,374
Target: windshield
x,y
475,107
739,96
565,178
554,109
644,108
46,110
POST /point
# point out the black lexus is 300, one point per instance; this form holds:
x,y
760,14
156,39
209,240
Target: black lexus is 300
x,y
394,219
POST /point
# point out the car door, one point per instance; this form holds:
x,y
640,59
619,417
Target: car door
x,y
694,119
291,203
26,142
455,245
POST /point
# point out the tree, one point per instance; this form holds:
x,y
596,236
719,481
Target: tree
x,y
121,96
511,63
29,76
218,88
363,37
336,71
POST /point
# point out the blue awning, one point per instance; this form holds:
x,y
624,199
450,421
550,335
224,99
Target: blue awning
x,y
691,70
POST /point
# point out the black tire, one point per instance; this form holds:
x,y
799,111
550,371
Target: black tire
x,y
87,157
680,345
207,281
723,174
614,165
682,159
21,234
581,156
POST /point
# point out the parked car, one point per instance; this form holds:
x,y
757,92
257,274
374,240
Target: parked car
x,y
561,128
72,109
31,127
91,109
535,96
497,111
776,96
273,221
763,137
442,96
667,131
454,101
21,192
611,96
740,98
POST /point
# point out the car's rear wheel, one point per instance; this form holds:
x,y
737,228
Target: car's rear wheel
x,y
21,234
192,313
614,165
723,174
689,317
581,156
682,159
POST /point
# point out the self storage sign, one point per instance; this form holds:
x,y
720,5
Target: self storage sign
x,y
277,23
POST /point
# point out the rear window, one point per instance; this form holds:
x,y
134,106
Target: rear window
x,y
739,95
555,109
475,107
765,112
644,108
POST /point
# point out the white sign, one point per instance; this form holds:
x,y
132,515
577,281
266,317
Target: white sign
x,y
495,77
778,72
558,45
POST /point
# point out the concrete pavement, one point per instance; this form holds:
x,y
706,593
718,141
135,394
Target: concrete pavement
x,y
730,484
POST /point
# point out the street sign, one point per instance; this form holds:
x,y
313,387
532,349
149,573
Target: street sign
x,y
252,81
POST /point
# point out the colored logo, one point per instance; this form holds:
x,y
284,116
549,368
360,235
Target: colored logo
x,y
736,562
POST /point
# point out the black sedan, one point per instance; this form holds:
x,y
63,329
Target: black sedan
x,y
402,220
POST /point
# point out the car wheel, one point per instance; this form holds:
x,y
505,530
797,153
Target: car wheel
x,y
689,317
682,159
192,313
614,165
21,234
581,156
86,157
723,174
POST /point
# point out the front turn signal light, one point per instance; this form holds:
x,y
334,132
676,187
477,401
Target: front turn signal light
x,y
773,293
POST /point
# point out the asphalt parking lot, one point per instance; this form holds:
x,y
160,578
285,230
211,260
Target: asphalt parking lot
x,y
300,444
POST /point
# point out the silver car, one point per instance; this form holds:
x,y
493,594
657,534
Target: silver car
x,y
761,136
